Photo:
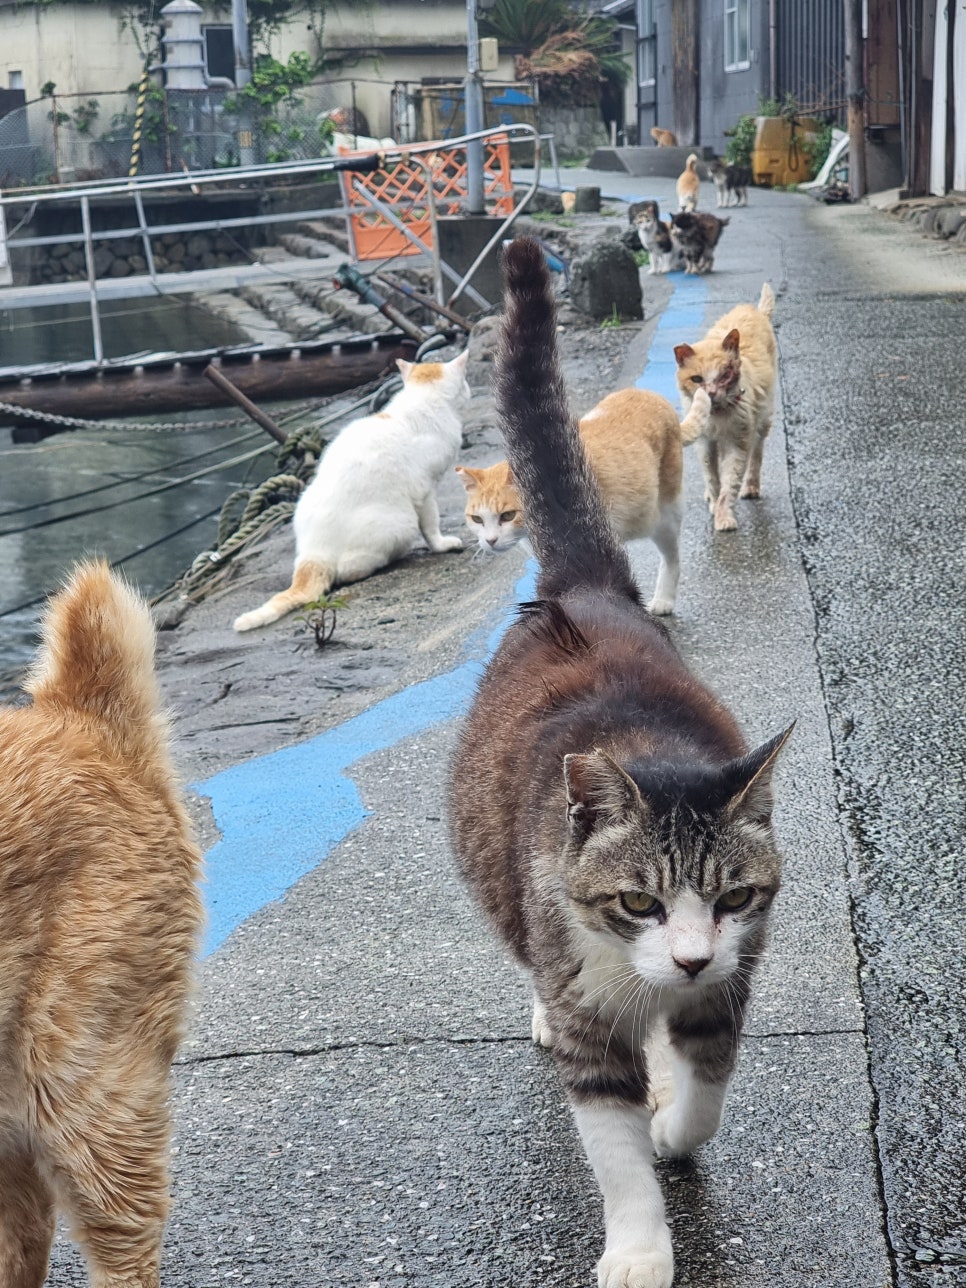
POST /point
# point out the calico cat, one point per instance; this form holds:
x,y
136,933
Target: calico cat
x,y
655,236
610,819
99,925
375,489
695,236
736,365
664,138
633,442
730,181
689,184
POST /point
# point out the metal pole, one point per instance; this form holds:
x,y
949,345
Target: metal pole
x,y
243,74
855,93
473,99
91,279
245,403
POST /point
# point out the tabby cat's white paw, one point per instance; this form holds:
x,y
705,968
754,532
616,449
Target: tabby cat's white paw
x,y
668,1137
660,606
540,1029
636,1268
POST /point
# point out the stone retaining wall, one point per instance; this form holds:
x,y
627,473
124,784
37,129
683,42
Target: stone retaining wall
x,y
577,131
173,253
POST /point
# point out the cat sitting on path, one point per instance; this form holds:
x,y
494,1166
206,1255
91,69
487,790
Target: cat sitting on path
x,y
610,819
633,442
100,917
374,490
736,365
655,236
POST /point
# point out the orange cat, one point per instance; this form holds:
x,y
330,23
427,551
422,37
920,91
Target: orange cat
x,y
664,138
689,184
633,441
735,364
99,922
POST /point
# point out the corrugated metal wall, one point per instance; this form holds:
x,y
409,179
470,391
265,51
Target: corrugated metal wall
x,y
811,54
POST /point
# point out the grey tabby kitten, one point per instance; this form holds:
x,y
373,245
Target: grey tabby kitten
x,y
617,830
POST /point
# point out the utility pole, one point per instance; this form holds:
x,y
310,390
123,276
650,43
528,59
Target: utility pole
x,y
243,74
473,100
855,93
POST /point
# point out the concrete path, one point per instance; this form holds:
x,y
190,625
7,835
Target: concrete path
x,y
361,1104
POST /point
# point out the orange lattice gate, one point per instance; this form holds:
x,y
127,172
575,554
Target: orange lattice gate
x,y
403,187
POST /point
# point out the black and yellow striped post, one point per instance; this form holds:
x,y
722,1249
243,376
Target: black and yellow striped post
x,y
139,123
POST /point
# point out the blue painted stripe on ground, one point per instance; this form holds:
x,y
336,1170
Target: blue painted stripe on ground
x,y
682,322
281,814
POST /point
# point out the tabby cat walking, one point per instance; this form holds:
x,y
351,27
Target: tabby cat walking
x,y
610,819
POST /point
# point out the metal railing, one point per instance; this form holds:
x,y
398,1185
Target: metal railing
x,y
19,206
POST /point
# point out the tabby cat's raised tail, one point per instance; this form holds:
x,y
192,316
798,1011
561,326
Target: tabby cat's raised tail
x,y
567,523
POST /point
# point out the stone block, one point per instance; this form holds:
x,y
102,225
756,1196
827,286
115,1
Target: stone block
x,y
606,280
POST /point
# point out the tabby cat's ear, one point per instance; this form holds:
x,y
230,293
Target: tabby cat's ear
x,y
404,367
732,340
459,363
751,775
682,352
469,478
598,792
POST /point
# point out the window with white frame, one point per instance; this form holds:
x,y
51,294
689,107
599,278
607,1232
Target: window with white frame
x,y
737,16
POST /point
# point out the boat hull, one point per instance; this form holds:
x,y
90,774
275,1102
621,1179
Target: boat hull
x,y
176,383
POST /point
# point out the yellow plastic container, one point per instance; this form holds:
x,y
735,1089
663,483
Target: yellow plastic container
x,y
778,157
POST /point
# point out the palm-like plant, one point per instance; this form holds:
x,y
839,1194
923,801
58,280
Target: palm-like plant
x,y
568,51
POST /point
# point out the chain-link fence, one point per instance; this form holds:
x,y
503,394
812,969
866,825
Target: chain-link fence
x,y
81,137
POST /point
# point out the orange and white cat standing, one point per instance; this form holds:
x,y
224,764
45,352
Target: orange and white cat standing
x,y
689,184
633,441
736,365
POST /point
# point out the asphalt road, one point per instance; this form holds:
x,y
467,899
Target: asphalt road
x,y
360,1103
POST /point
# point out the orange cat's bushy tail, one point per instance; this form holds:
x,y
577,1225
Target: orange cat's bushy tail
x,y
766,301
695,423
96,662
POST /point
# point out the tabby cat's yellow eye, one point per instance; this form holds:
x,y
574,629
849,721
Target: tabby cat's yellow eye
x,y
476,518
697,380
508,516
735,899
639,903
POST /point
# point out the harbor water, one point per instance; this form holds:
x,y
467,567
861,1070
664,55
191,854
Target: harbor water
x,y
124,494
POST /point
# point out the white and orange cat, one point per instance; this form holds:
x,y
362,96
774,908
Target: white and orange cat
x,y
375,489
689,184
735,365
633,441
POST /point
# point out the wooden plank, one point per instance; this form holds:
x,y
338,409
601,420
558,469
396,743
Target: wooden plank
x,y
685,81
